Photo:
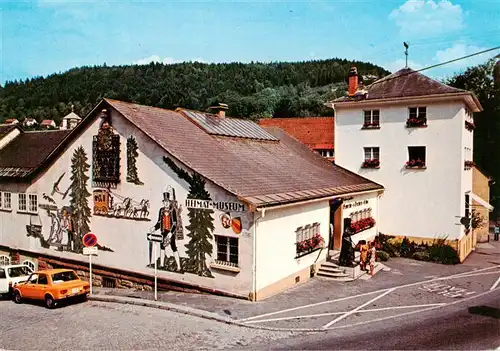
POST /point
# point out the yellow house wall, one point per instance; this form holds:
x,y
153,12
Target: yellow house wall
x,y
480,187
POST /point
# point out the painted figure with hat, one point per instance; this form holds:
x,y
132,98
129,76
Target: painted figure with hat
x,y
167,224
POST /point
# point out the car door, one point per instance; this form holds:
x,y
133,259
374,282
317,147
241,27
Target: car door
x,y
4,282
40,287
28,288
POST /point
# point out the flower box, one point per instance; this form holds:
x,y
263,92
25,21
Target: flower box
x,y
371,125
309,245
415,122
469,164
470,126
362,224
372,163
415,164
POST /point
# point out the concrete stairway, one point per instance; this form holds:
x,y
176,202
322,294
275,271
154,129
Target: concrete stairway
x,y
329,269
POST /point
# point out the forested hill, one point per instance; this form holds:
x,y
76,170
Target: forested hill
x,y
251,90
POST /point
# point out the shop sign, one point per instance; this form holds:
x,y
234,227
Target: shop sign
x,y
355,204
225,206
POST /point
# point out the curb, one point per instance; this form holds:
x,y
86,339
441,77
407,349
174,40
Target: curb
x,y
190,311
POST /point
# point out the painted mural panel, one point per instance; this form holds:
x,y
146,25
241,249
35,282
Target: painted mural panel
x,y
106,154
69,217
109,203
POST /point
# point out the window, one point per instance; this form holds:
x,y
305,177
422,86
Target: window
x,y
7,201
417,117
33,278
416,157
19,271
65,276
33,203
21,206
467,205
2,273
326,153
372,157
372,119
42,279
227,250
417,112
30,264
4,260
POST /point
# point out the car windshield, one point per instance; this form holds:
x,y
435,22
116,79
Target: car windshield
x,y
15,272
62,277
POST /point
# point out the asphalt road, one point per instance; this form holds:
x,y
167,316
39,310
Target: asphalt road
x,y
471,325
96,326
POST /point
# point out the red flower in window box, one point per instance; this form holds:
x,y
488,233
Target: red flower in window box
x,y
469,164
362,224
470,126
371,163
415,163
416,122
310,244
371,125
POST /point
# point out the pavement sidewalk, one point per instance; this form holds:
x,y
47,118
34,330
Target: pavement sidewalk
x,y
399,271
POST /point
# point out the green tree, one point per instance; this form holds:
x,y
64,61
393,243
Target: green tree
x,y
132,155
79,196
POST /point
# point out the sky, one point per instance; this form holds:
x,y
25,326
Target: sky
x,y
42,37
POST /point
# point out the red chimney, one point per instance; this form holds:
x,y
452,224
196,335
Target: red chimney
x,y
353,81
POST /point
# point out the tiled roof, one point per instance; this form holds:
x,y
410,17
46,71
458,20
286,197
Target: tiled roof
x,y
28,151
260,172
403,83
5,129
47,122
315,132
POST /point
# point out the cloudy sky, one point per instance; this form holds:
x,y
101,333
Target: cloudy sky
x,y
46,36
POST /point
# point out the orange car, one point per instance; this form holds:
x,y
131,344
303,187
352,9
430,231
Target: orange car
x,y
52,286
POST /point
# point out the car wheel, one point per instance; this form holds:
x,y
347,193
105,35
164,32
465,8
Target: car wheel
x,y
17,297
49,301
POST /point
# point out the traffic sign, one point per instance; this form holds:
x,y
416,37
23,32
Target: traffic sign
x,y
90,250
89,240
155,237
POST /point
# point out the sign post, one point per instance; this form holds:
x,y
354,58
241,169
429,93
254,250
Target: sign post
x,y
89,240
154,239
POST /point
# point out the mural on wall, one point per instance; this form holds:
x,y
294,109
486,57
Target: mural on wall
x,y
106,155
68,223
132,154
106,205
200,228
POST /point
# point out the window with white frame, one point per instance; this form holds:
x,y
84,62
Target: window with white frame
x,y
4,260
227,250
372,153
417,112
22,202
32,203
5,201
371,118
30,264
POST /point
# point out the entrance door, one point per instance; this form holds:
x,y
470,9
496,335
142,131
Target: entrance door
x,y
335,224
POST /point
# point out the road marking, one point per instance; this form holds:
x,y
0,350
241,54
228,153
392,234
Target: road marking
x,y
412,312
469,273
358,308
337,313
495,285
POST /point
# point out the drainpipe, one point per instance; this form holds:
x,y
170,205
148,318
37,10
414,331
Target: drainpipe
x,y
254,251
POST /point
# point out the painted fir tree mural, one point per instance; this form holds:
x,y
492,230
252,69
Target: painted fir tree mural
x,y
201,224
79,197
132,154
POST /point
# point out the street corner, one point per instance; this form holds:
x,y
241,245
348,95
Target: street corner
x,y
383,304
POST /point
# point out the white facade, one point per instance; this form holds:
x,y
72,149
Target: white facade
x,y
416,202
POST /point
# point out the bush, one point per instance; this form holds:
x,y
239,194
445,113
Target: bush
x,y
443,253
421,256
382,256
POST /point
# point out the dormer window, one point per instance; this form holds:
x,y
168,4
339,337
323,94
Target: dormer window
x,y
417,117
371,119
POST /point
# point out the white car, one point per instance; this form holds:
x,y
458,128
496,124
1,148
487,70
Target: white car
x,y
11,275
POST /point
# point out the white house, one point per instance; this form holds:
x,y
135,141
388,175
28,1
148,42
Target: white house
x,y
413,135
48,123
29,122
70,121
240,209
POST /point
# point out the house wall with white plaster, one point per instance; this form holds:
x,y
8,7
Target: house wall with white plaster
x,y
416,202
276,261
362,206
124,236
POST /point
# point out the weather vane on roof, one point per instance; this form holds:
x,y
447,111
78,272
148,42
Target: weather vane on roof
x,y
406,52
